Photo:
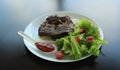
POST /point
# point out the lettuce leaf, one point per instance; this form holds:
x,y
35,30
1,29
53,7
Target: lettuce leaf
x,y
77,50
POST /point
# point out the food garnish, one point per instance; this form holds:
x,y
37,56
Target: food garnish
x,y
83,41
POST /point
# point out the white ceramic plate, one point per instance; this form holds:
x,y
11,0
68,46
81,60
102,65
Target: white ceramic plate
x,y
32,30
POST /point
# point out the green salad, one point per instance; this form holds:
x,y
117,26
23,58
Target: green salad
x,y
83,41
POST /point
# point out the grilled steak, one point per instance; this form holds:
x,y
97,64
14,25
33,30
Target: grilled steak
x,y
56,27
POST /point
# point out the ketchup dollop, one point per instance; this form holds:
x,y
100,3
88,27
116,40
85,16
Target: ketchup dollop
x,y
45,47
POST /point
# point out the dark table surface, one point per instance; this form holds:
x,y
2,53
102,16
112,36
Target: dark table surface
x,y
15,15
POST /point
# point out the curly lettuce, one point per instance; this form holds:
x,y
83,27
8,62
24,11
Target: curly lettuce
x,y
77,50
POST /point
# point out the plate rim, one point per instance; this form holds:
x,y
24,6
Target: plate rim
x,y
61,61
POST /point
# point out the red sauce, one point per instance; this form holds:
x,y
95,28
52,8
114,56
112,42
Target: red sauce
x,y
46,47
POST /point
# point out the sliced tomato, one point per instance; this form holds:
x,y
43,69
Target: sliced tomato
x,y
89,38
77,39
82,30
59,54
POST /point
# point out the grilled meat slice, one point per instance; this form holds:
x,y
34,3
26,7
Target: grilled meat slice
x,y
56,27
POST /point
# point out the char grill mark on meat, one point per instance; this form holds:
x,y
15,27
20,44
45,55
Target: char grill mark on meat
x,y
56,27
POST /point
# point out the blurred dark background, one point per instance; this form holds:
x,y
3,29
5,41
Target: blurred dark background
x,y
15,15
